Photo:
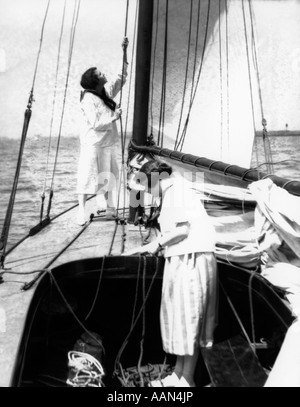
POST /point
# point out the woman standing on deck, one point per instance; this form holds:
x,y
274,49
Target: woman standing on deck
x,y
98,171
189,292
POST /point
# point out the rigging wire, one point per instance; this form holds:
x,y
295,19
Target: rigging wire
x,y
27,117
153,67
97,290
164,81
182,139
143,328
194,69
117,361
52,114
248,66
186,73
221,78
71,46
266,140
237,317
28,285
122,179
227,71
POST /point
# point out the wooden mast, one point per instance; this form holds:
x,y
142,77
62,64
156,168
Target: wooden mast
x,y
143,72
142,88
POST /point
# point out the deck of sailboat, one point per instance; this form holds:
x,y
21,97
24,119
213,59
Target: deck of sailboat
x,y
36,252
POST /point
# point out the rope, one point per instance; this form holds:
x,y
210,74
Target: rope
x,y
28,285
251,311
221,76
131,73
153,67
186,73
237,317
71,46
52,113
194,71
97,290
143,330
227,71
88,371
248,65
122,179
27,117
118,357
53,281
164,80
267,147
117,361
182,139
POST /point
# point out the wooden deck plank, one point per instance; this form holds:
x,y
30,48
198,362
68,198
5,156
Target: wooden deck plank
x,y
232,363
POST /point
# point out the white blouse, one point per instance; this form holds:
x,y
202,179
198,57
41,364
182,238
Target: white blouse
x,y
182,204
97,126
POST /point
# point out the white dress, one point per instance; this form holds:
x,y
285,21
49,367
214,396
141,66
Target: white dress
x,y
188,314
99,140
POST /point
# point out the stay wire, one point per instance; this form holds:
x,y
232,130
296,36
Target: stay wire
x,y
227,72
248,65
186,73
153,66
28,285
80,323
182,139
194,73
97,290
267,147
143,330
237,317
122,178
117,363
139,313
164,80
39,52
131,74
52,114
27,117
71,46
221,76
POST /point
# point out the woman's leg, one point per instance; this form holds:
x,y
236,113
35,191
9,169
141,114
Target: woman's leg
x,y
189,366
178,370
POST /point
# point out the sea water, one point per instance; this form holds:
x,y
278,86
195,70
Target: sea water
x,y
37,175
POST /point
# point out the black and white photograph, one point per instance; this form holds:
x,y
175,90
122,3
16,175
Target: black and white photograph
x,y
149,196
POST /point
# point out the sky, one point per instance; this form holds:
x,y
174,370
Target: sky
x,y
100,29
99,34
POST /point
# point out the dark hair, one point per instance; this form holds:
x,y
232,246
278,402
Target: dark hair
x,y
155,166
89,82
